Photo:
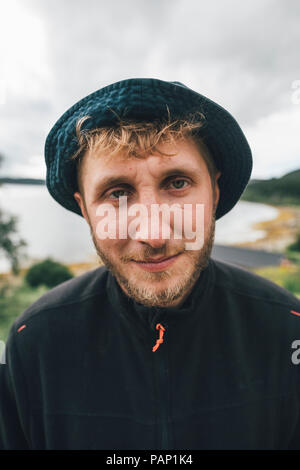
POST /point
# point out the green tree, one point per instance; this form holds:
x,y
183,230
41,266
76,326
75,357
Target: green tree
x,y
11,244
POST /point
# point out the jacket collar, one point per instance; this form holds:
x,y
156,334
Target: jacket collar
x,y
149,316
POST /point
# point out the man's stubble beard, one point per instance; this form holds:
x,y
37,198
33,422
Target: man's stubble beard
x,y
149,297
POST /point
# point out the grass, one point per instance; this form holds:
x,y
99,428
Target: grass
x,y
285,276
13,301
294,256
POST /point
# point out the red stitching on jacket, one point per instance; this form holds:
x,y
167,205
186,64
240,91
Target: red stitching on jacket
x,y
21,328
161,335
295,313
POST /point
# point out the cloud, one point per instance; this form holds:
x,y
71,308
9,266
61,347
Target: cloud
x,y
275,144
244,55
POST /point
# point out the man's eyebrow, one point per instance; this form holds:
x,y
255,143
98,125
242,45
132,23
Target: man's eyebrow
x,y
115,180
112,180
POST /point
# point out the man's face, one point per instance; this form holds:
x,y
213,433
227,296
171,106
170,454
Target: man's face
x,y
180,179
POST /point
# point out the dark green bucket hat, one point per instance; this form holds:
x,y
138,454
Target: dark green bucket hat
x,y
148,99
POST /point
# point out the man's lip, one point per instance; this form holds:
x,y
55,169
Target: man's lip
x,y
158,266
156,260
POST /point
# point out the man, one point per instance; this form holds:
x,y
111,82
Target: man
x,y
162,347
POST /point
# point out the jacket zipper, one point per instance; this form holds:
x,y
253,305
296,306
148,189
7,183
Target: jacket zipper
x,y
161,365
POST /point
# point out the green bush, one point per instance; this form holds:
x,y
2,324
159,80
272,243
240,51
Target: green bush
x,y
48,273
296,245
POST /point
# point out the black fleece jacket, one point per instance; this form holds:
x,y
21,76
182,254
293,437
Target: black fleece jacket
x,y
80,372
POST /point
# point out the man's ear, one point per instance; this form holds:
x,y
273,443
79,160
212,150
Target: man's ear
x,y
79,199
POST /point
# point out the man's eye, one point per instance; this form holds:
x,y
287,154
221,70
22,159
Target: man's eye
x,y
118,191
178,184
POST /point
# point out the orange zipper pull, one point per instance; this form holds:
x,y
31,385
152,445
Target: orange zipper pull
x,y
161,335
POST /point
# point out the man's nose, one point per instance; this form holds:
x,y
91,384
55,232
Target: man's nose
x,y
154,229
154,240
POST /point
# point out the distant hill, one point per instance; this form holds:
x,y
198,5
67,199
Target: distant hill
x,y
7,180
284,190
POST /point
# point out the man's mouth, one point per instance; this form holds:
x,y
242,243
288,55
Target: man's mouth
x,y
157,264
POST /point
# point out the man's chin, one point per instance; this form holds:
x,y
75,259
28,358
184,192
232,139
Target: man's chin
x,y
153,294
164,288
159,289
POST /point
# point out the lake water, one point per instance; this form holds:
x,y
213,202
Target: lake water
x,y
51,230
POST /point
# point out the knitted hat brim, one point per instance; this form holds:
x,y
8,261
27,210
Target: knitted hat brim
x,y
149,99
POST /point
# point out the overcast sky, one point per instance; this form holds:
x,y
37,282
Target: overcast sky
x,y
244,55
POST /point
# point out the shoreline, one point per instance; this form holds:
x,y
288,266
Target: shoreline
x,y
279,232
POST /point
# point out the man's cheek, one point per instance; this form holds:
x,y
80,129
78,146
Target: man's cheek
x,y
194,226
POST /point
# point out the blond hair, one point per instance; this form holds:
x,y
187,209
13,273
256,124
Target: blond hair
x,y
135,139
